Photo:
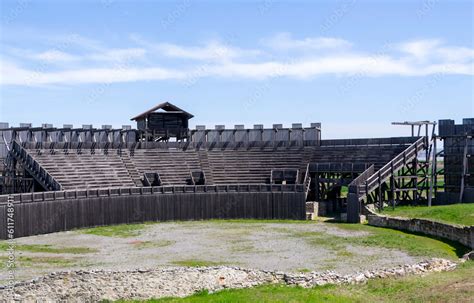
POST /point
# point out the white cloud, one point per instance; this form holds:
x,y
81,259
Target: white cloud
x,y
425,50
456,54
55,56
118,54
214,50
414,58
19,76
419,49
284,41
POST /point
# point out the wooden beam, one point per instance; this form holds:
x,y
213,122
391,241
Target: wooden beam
x,y
464,170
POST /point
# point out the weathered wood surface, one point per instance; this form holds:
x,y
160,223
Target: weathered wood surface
x,y
41,217
116,168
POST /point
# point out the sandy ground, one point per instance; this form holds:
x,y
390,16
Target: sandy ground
x,y
267,246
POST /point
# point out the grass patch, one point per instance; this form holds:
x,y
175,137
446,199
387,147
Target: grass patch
x,y
242,247
39,262
197,263
258,221
152,244
413,244
116,231
455,286
133,230
40,248
457,213
344,191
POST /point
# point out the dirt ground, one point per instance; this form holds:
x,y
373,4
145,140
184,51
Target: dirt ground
x,y
268,246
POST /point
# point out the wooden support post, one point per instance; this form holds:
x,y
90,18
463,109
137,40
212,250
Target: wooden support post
x,y
415,171
316,190
367,191
433,172
380,192
392,185
464,170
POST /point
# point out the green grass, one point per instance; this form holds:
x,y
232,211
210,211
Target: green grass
x,y
117,231
152,244
413,244
39,262
254,221
40,248
455,286
134,230
197,263
457,213
344,191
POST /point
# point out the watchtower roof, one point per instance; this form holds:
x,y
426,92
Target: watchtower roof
x,y
167,108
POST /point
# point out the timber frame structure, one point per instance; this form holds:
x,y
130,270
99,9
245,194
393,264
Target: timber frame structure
x,y
458,166
48,163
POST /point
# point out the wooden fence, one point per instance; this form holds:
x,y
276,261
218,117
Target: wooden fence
x,y
369,141
256,143
41,213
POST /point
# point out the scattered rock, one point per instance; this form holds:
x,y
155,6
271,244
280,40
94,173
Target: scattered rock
x,y
469,256
141,284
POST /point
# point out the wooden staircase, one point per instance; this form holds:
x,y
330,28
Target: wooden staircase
x,y
131,168
372,179
205,166
34,168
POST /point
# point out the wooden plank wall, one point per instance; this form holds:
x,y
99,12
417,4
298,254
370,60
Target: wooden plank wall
x,y
42,217
454,140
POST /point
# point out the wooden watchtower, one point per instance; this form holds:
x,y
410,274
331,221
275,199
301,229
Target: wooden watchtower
x,y
163,122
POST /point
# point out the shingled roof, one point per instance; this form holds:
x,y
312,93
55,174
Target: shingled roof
x,y
167,107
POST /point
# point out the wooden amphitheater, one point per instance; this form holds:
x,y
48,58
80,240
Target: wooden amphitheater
x,y
60,179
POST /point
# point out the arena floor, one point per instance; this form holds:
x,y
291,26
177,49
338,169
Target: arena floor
x,y
286,246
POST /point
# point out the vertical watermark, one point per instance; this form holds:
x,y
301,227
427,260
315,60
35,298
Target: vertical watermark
x,y
15,12
371,63
120,67
180,9
37,74
337,15
221,52
107,3
260,90
416,98
11,247
265,6
426,7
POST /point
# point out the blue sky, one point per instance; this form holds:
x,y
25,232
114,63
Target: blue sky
x,y
353,65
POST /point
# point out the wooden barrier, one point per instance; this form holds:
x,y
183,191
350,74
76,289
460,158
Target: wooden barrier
x,y
369,141
42,213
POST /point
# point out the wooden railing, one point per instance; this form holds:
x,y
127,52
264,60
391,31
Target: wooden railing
x,y
369,180
338,167
221,145
34,168
7,146
307,181
130,191
369,141
355,185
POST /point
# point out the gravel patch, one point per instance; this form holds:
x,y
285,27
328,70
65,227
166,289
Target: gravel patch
x,y
266,246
